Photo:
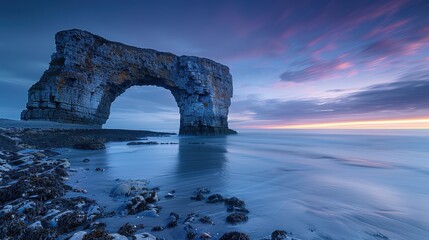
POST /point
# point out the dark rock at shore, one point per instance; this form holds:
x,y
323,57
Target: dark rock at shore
x,y
36,181
234,202
97,225
157,229
171,224
143,202
206,220
97,234
128,230
198,197
15,139
203,190
190,235
190,219
71,221
7,143
279,235
31,199
237,209
143,143
136,205
90,146
39,233
235,236
235,218
215,198
174,217
13,228
152,198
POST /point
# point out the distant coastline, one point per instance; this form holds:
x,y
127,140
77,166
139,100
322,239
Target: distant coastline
x,y
18,135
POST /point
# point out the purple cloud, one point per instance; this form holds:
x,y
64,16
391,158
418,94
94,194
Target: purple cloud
x,y
408,95
317,71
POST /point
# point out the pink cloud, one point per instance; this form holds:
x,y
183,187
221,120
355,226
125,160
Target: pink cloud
x,y
327,48
376,63
412,48
388,8
318,71
384,30
343,66
352,73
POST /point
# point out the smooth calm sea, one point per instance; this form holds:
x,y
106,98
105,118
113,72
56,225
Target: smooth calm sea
x,y
315,184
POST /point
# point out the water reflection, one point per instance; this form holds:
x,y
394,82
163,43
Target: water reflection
x,y
202,157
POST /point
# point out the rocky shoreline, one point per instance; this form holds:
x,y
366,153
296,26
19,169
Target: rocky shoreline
x,y
33,189
15,139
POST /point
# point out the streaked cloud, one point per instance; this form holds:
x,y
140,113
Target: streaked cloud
x,y
317,71
407,96
279,50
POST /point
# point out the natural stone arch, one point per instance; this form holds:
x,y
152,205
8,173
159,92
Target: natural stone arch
x,y
87,73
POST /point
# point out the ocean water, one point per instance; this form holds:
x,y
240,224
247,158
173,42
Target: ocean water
x,y
315,184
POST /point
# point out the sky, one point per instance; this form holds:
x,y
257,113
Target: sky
x,y
295,64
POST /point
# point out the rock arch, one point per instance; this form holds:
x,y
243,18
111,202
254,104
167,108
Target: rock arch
x,y
87,73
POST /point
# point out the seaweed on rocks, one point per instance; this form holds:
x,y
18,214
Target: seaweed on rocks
x,y
234,202
153,197
198,197
142,143
206,220
203,190
235,218
235,236
215,198
191,235
97,145
97,234
172,224
174,218
157,228
136,205
190,218
237,209
279,235
36,182
31,199
71,221
40,234
128,230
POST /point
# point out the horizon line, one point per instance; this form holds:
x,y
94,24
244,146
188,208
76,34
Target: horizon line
x,y
395,124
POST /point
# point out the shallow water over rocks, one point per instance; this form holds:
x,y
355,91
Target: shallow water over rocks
x,y
349,185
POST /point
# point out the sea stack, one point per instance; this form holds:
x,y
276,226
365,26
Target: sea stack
x,y
87,73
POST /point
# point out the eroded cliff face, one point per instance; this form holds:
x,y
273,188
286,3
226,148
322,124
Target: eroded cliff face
x,y
87,73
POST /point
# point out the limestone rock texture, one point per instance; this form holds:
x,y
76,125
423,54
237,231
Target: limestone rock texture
x,y
87,73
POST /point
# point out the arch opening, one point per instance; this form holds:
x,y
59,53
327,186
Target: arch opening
x,y
145,108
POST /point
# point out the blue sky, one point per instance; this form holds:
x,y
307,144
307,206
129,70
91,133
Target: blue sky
x,y
292,62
